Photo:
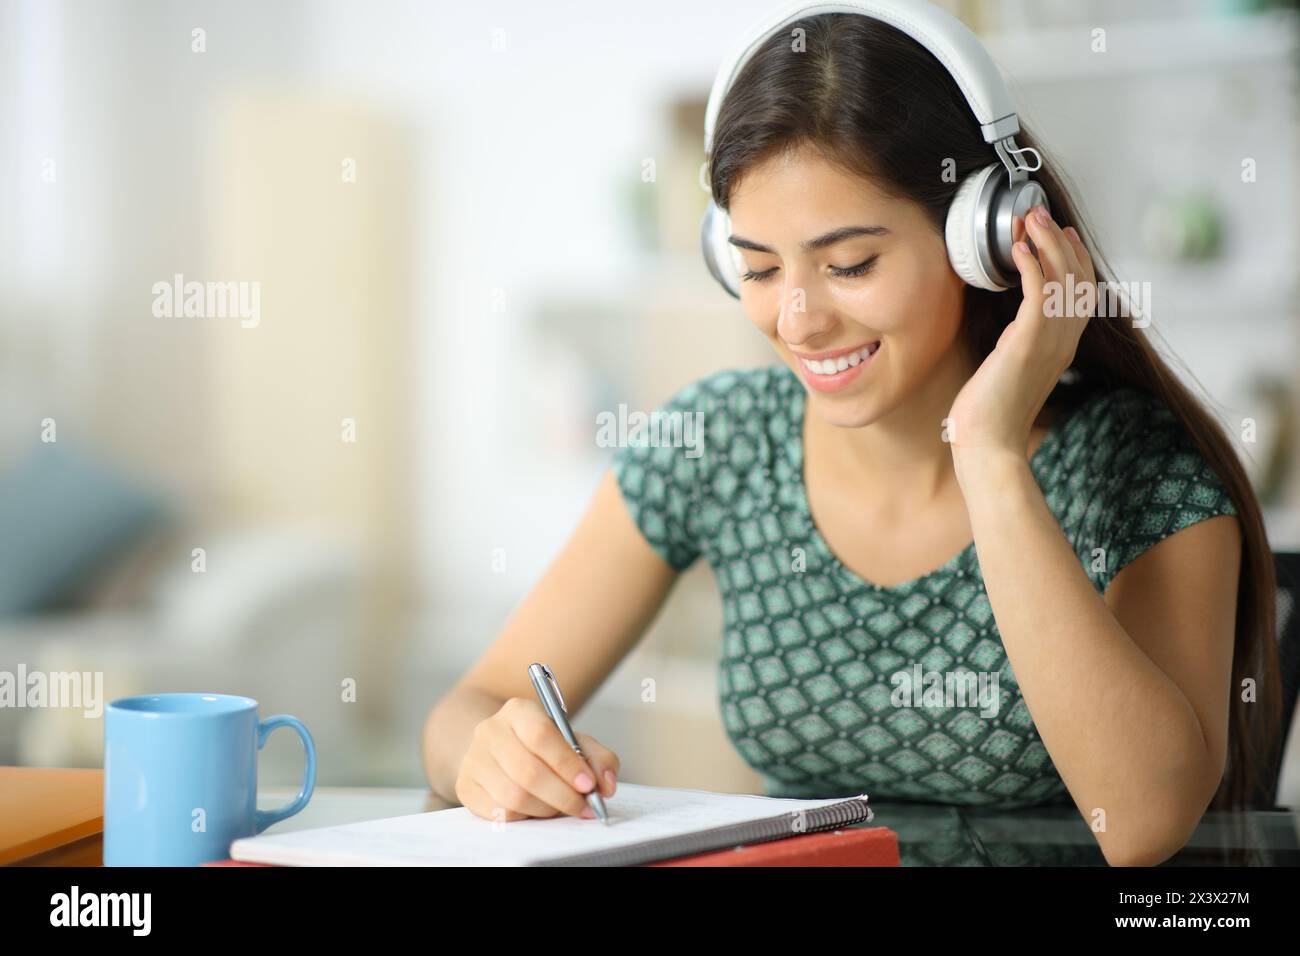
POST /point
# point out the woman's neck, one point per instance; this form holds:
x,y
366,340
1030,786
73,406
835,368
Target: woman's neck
x,y
903,453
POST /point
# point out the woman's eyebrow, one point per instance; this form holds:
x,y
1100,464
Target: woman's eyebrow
x,y
821,242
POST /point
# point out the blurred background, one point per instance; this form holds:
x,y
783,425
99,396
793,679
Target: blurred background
x,y
333,501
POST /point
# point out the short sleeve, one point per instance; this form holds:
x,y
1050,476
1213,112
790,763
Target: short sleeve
x,y
660,466
1160,483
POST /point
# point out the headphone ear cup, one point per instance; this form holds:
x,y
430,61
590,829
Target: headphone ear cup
x,y
724,260
962,231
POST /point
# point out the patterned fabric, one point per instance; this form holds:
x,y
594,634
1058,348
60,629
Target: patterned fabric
x,y
809,648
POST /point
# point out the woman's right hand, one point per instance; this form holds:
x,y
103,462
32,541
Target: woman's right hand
x,y
518,765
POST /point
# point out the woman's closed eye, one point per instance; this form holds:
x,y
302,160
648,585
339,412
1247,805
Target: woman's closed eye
x,y
851,272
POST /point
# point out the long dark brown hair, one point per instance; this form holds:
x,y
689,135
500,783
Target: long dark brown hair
x,y
874,101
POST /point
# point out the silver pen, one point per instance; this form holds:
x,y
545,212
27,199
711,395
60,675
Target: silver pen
x,y
548,691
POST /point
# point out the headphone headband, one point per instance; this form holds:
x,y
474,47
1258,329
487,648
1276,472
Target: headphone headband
x,y
936,29
979,225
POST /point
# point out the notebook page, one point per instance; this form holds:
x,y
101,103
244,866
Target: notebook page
x,y
457,837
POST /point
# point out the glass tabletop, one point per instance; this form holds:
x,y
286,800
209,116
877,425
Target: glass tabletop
x,y
928,834
933,835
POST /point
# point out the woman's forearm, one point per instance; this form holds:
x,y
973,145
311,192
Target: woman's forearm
x,y
1123,736
447,733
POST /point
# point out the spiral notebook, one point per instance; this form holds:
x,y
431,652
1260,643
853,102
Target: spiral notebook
x,y
646,825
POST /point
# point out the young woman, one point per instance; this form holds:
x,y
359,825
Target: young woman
x,y
918,481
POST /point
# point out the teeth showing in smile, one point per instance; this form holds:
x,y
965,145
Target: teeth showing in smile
x,y
836,365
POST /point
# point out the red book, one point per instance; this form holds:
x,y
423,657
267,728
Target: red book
x,y
870,846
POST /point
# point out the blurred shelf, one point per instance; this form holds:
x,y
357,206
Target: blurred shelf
x,y
1265,293
1146,46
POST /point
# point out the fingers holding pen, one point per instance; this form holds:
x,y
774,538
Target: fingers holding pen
x,y
603,761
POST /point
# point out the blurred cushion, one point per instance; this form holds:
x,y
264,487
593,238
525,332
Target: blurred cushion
x,y
63,518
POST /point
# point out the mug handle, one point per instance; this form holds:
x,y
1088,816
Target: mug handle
x,y
264,818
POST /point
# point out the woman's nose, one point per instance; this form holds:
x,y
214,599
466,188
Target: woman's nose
x,y
803,316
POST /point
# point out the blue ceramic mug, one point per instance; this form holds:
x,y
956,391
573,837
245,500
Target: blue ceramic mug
x,y
180,777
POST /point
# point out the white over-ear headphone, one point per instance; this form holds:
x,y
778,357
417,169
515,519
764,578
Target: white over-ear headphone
x,y
978,227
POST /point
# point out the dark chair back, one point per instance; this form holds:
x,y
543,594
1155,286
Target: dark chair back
x,y
1287,565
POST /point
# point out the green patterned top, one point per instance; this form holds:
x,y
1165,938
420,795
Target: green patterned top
x,y
809,675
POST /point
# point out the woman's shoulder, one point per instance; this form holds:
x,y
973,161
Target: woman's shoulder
x,y
1121,420
741,393
1128,474
694,455
1128,446
732,407
1134,423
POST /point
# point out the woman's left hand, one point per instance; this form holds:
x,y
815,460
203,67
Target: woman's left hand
x,y
991,418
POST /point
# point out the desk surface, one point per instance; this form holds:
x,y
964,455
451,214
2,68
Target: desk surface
x,y
928,835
